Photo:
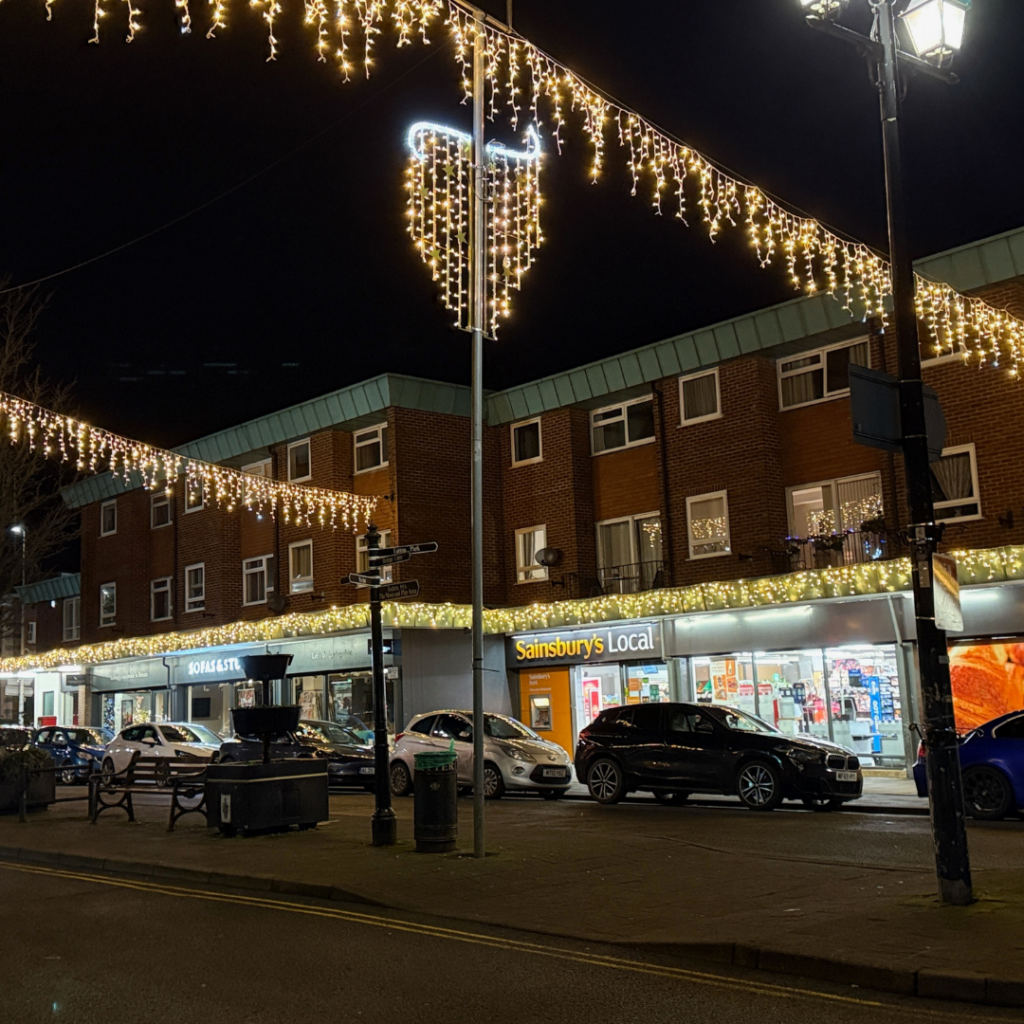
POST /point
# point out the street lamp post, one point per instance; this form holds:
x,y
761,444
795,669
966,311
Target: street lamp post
x,y
21,531
936,32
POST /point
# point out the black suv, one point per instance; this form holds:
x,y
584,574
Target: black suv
x,y
674,750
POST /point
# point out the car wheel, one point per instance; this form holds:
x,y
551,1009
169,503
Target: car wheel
x,y
606,781
552,794
67,776
226,759
987,793
108,765
821,803
494,784
759,786
401,781
664,796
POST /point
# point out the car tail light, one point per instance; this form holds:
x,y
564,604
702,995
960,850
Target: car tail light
x,y
921,751
399,736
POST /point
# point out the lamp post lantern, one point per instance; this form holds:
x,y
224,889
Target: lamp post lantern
x,y
936,30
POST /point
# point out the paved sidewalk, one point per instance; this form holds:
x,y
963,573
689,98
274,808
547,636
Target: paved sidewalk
x,y
846,896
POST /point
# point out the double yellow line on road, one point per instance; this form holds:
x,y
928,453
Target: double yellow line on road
x,y
479,939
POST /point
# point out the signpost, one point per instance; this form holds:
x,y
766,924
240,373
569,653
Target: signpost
x,y
384,823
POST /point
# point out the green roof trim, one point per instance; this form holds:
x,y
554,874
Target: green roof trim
x,y
68,584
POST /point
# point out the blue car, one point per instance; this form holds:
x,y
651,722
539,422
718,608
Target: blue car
x,y
992,768
73,749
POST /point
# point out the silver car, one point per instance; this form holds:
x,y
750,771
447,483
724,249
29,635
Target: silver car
x,y
515,757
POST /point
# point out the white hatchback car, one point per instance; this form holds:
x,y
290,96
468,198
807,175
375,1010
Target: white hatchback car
x,y
160,739
516,758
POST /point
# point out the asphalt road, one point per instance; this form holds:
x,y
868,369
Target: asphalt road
x,y
83,949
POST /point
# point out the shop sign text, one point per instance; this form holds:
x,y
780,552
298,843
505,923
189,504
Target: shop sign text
x,y
623,642
214,666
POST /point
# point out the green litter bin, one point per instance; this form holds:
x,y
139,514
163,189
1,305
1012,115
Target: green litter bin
x,y
436,814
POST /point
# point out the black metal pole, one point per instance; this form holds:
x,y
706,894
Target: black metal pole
x,y
952,864
384,823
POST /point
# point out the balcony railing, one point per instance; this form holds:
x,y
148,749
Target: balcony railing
x,y
631,579
853,548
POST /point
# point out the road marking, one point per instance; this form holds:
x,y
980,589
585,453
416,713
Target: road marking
x,y
474,938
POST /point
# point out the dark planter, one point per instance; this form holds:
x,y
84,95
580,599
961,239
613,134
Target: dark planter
x,y
250,797
266,721
42,790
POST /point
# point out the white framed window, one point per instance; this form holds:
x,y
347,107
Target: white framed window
x,y
835,506
955,485
257,579
195,495
108,604
72,614
707,519
370,448
300,461
30,632
363,557
160,599
528,543
821,375
629,553
625,425
265,467
526,442
108,518
942,359
195,587
700,397
300,566
159,511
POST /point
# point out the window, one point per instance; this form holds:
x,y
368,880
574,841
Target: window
x,y
707,516
623,425
200,707
30,632
955,485
48,702
371,448
526,442
195,587
629,555
528,543
160,599
257,579
300,562
159,510
108,604
262,468
72,612
195,495
700,397
816,376
1011,730
300,466
450,727
424,725
835,506
363,558
108,518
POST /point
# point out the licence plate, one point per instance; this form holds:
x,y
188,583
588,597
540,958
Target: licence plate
x,y
553,773
365,771
846,776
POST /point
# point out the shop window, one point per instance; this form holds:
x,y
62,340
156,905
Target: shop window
x,y
195,494
300,566
622,426
201,707
955,485
160,599
300,465
821,375
195,587
30,632
526,442
48,704
629,554
528,543
363,557
707,518
72,614
159,510
257,579
108,518
108,604
700,397
371,448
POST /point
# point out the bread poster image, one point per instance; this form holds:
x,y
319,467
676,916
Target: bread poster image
x,y
988,681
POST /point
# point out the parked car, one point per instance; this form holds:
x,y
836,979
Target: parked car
x,y
160,739
15,737
992,768
357,725
74,749
515,757
350,759
282,746
673,750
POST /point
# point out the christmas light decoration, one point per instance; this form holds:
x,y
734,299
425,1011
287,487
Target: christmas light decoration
x,y
93,450
438,182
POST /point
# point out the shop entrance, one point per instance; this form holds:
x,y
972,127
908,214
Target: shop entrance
x,y
545,705
351,693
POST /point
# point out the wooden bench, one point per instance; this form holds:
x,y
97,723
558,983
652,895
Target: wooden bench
x,y
176,777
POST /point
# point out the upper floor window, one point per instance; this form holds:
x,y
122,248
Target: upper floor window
x,y
623,425
629,553
72,612
108,518
300,465
264,467
159,510
371,448
363,556
195,494
30,632
108,604
820,375
195,587
955,485
300,562
526,442
835,506
160,599
700,397
707,517
528,543
257,579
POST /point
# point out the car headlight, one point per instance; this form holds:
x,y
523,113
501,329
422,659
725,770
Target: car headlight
x,y
180,753
85,756
805,756
516,754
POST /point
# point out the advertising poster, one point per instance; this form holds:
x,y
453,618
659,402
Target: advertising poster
x,y
988,681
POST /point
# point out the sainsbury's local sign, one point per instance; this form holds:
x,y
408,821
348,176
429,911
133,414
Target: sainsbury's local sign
x,y
637,641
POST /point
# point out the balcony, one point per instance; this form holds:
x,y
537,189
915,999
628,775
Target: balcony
x,y
620,579
852,548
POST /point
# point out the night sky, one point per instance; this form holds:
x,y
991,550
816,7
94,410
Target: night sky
x,y
303,280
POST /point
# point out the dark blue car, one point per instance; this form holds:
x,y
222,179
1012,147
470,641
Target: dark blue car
x,y
73,749
992,767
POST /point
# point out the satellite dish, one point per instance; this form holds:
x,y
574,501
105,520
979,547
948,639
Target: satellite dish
x,y
278,603
548,556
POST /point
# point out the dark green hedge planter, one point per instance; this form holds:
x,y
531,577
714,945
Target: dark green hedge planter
x,y
42,791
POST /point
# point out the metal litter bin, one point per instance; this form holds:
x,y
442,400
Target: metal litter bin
x,y
436,813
